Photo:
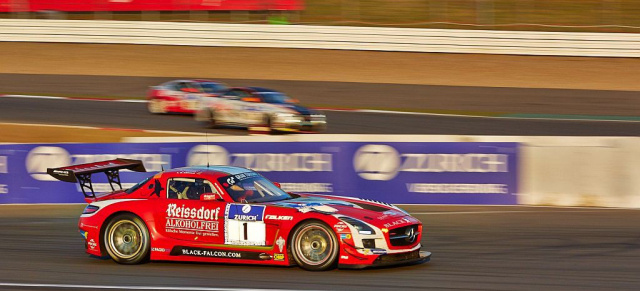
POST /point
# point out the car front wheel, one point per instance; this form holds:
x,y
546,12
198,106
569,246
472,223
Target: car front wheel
x,y
157,106
315,246
213,123
126,239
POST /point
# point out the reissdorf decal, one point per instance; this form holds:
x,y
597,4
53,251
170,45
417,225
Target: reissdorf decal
x,y
186,220
218,253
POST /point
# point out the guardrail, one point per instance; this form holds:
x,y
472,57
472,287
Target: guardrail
x,y
323,37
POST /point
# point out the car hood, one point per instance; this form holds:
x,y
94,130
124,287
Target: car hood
x,y
297,108
373,212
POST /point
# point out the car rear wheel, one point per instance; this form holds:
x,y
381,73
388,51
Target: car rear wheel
x,y
126,239
157,106
315,246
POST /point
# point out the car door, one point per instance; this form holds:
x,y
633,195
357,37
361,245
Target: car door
x,y
192,211
190,97
251,109
233,106
244,222
244,225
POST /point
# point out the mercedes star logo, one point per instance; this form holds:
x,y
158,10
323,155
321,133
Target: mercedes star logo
x,y
411,234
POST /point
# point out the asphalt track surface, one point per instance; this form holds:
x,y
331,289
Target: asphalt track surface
x,y
358,95
474,248
474,99
135,115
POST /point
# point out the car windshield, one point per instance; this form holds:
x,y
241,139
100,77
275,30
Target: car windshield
x,y
137,186
211,87
275,97
251,187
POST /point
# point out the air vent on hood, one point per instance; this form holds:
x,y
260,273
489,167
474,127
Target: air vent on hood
x,y
371,207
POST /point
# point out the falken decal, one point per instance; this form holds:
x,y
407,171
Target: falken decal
x,y
278,217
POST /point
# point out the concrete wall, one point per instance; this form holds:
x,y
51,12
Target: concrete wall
x,y
581,172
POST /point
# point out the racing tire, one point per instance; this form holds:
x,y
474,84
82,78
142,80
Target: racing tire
x,y
213,123
268,122
126,239
314,246
157,106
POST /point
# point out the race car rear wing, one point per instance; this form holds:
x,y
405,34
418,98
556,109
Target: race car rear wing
x,y
82,173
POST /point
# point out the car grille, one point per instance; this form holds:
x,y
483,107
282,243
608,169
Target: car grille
x,y
404,236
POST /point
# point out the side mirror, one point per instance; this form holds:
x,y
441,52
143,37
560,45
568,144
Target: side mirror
x,y
251,99
189,90
277,184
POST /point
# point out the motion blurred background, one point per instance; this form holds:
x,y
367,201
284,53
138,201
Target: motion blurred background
x,y
568,101
545,15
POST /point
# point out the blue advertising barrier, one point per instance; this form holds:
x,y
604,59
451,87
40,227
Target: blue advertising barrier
x,y
394,172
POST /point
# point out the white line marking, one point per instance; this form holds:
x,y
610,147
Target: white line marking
x,y
133,100
476,116
357,110
35,97
182,132
48,125
58,286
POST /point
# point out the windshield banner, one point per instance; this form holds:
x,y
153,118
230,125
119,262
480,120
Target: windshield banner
x,y
393,172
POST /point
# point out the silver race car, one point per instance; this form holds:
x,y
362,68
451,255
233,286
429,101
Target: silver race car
x,y
259,107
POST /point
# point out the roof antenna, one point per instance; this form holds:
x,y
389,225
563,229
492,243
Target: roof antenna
x,y
206,135
162,167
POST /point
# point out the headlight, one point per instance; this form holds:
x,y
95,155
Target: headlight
x,y
360,226
285,115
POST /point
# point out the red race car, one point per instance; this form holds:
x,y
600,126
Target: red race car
x,y
234,215
181,96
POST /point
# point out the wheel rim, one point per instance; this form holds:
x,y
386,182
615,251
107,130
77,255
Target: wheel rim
x,y
125,239
157,106
314,245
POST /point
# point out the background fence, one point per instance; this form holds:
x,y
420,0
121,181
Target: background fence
x,y
564,171
394,172
324,37
546,15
